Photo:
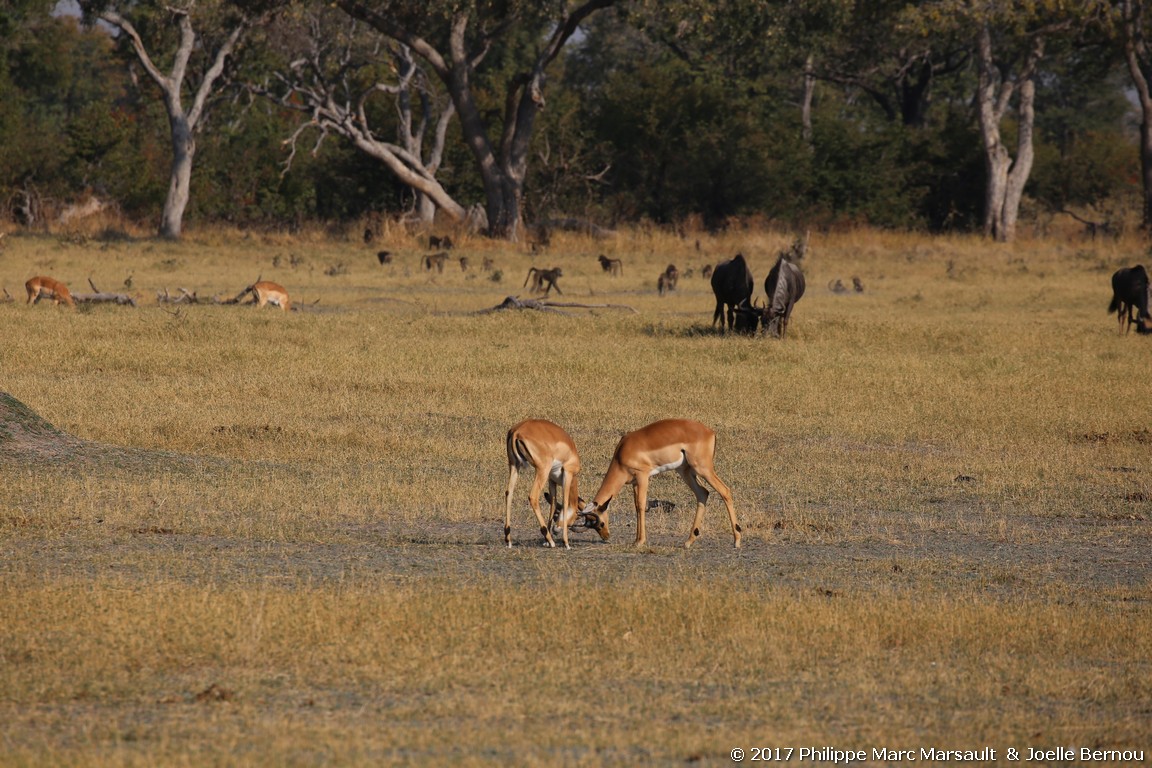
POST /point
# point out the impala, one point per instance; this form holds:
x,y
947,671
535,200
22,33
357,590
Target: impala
x,y
267,292
551,452
46,288
686,446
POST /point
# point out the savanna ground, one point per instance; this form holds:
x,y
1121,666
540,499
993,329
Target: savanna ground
x,y
240,536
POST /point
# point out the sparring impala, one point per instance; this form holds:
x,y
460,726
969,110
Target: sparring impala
x,y
46,288
551,452
686,446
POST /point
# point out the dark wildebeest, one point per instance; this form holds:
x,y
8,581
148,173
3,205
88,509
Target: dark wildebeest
x,y
732,284
784,286
1130,290
747,318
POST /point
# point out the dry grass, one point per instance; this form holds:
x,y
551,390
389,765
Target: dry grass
x,y
277,539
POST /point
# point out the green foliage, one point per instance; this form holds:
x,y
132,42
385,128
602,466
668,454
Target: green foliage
x,y
660,111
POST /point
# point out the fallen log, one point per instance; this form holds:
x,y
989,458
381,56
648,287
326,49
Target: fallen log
x,y
185,297
515,302
122,299
100,297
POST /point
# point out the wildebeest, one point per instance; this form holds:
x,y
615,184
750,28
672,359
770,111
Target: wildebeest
x,y
613,267
747,318
784,286
668,279
1130,291
732,284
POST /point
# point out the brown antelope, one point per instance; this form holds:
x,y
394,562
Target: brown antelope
x,y
551,452
686,446
267,292
41,287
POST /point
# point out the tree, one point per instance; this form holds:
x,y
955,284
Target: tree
x,y
334,66
198,64
1138,57
1009,43
453,39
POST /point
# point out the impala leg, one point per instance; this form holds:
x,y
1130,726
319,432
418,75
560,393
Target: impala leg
x,y
513,474
565,490
714,480
534,500
701,494
640,495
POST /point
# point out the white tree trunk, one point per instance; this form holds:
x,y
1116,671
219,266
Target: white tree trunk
x,y
1005,178
184,124
180,183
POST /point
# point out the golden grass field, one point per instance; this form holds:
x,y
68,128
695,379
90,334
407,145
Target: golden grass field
x,y
249,537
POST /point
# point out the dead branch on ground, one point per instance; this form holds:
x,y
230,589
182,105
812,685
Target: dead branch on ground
x,y
515,302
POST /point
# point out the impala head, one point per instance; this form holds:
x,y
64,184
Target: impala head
x,y
595,516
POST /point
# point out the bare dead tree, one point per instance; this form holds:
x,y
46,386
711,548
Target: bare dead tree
x,y
337,67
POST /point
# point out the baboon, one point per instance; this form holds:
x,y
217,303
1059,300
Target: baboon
x,y
668,279
385,257
488,264
369,236
443,243
706,272
689,272
857,285
613,267
435,261
463,263
541,238
538,277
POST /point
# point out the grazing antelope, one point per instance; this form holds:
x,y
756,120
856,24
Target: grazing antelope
x,y
551,452
613,267
732,284
1130,295
784,286
41,287
686,446
267,292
